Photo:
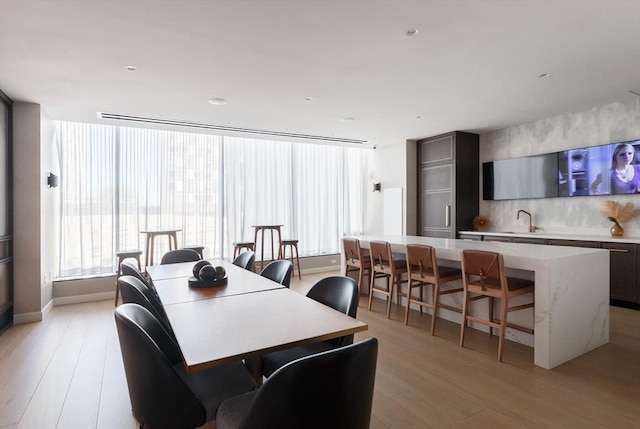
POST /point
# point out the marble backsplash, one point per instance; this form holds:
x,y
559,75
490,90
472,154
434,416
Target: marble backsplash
x,y
576,215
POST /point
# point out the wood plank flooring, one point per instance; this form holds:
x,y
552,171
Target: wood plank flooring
x,y
66,372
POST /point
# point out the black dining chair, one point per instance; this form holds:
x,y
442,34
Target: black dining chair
x,y
162,393
245,260
180,255
337,292
135,291
332,389
279,271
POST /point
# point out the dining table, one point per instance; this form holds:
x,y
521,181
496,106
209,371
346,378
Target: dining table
x,y
244,319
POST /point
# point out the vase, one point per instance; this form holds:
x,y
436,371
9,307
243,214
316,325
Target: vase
x,y
616,230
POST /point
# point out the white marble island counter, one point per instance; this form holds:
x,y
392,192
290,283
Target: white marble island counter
x,y
571,313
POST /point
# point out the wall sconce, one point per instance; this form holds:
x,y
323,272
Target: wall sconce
x,y
52,180
376,187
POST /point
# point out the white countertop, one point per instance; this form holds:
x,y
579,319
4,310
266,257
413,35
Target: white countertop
x,y
557,236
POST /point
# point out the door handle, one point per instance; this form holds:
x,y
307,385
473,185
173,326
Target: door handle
x,y
447,215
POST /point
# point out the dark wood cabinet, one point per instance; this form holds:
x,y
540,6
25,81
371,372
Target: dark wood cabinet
x,y
623,269
448,184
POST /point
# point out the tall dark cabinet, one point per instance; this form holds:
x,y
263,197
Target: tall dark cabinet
x,y
448,184
6,235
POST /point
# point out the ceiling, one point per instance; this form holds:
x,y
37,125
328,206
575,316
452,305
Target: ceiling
x,y
472,66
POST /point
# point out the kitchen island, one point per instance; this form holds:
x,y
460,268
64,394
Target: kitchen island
x,y
571,312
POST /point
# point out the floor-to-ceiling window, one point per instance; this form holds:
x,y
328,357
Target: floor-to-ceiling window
x,y
117,181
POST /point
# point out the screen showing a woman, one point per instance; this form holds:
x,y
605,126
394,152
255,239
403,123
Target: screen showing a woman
x,y
624,173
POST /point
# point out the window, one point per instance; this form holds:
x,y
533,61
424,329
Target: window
x,y
118,181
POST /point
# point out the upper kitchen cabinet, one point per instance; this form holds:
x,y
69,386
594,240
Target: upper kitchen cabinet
x,y
448,184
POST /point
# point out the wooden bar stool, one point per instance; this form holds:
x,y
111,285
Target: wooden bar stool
x,y
238,246
292,244
356,259
259,231
423,271
483,276
151,239
383,265
122,255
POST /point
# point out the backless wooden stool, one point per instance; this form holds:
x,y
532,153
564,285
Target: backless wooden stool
x,y
292,244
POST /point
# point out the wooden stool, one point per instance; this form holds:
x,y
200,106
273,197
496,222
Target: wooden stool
x,y
122,255
259,233
199,249
239,245
292,244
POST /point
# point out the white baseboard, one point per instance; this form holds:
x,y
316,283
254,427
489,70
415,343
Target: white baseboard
x,y
36,316
76,299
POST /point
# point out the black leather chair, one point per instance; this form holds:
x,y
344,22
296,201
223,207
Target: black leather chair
x,y
180,255
163,394
135,291
279,271
130,269
333,389
337,292
245,260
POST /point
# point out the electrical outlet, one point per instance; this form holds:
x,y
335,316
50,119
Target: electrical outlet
x,y
333,261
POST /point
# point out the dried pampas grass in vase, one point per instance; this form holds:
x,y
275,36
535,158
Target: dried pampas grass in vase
x,y
617,213
480,223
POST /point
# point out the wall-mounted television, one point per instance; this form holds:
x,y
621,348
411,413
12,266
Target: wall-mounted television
x,y
529,177
600,170
597,170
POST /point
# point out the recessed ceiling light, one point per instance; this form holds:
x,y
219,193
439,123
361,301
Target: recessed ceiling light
x,y
412,32
308,98
347,119
130,68
544,75
218,101
419,117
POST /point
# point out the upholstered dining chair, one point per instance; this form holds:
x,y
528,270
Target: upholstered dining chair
x,y
332,389
180,255
162,393
385,266
483,276
136,291
423,271
337,292
279,271
245,260
356,259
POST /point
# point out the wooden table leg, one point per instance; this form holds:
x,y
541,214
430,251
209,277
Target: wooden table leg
x,y
254,365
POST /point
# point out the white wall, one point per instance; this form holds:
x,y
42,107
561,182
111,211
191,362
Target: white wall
x,y
34,209
394,166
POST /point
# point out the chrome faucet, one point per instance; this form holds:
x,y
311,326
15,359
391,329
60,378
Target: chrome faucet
x,y
531,227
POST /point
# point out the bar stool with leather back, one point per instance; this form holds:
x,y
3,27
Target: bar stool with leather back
x,y
483,276
292,245
423,271
122,256
356,259
383,265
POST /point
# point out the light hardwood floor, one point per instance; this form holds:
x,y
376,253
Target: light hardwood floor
x,y
66,372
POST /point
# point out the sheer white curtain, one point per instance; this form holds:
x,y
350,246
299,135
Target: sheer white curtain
x,y
169,180
315,191
88,198
117,181
257,175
